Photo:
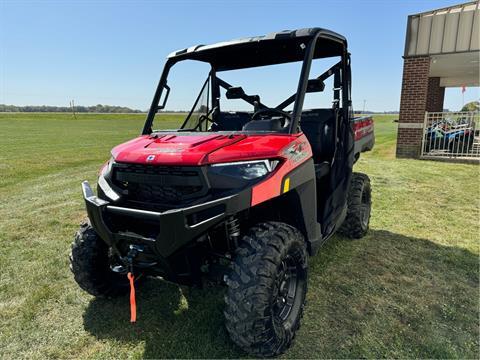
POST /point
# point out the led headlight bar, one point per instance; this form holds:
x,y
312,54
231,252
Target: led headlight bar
x,y
103,183
247,170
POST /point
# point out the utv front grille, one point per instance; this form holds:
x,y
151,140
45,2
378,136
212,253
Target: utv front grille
x,y
161,194
163,186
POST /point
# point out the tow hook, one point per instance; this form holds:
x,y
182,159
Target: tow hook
x,y
134,250
131,255
127,261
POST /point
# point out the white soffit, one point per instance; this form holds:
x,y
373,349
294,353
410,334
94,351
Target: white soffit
x,y
456,69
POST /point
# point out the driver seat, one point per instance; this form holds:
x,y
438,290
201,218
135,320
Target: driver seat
x,y
318,127
274,124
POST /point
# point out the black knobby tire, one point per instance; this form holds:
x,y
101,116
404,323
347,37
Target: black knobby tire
x,y
266,292
90,265
359,204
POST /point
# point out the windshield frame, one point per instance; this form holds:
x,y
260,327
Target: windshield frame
x,y
299,95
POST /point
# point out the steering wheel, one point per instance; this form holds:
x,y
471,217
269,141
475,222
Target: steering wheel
x,y
272,111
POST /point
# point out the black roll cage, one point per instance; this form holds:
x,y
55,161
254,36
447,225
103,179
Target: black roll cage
x,y
341,72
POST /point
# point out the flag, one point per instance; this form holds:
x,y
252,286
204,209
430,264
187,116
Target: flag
x,y
464,88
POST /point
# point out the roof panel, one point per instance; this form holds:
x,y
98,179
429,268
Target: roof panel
x,y
475,40
274,48
447,30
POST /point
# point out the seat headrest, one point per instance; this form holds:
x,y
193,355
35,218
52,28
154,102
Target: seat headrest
x,y
274,124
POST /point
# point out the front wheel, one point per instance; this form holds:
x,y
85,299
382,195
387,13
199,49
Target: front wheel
x,y
90,265
266,289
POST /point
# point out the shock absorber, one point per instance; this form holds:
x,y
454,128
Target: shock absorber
x,y
233,230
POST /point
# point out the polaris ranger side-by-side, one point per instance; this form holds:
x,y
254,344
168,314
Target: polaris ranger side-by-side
x,y
248,195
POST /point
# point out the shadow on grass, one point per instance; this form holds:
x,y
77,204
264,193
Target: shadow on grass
x,y
173,322
386,295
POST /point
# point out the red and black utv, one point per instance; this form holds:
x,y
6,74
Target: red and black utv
x,y
248,194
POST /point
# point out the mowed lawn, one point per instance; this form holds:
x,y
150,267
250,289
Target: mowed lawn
x,y
408,289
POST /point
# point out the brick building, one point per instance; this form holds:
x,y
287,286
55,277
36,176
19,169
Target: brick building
x,y
442,49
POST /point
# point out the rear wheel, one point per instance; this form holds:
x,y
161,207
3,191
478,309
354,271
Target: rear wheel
x,y
90,265
359,208
266,289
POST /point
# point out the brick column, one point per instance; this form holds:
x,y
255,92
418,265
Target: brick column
x,y
435,95
413,104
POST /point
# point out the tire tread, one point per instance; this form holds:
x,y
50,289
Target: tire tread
x,y
352,226
90,267
249,289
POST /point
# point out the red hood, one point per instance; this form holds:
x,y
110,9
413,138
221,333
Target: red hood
x,y
180,149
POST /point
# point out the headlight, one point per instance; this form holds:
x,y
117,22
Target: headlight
x,y
106,169
103,183
246,170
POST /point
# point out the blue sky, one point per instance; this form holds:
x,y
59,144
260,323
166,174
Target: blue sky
x,y
113,52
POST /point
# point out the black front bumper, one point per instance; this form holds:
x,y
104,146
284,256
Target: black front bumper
x,y
176,228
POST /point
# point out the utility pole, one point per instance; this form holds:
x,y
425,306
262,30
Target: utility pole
x,y
72,105
364,102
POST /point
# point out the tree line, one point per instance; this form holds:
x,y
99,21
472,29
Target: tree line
x,y
78,109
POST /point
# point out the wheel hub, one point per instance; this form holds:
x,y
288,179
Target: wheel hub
x,y
285,288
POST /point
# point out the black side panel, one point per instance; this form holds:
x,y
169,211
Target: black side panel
x,y
301,199
337,186
339,180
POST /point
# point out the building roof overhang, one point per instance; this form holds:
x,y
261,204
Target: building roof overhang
x,y
455,70
444,31
451,38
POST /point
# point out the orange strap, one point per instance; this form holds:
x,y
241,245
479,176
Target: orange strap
x,y
133,305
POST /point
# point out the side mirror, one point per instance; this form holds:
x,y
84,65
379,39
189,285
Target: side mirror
x,y
315,85
235,93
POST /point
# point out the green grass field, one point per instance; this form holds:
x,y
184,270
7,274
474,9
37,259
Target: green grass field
x,y
408,289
